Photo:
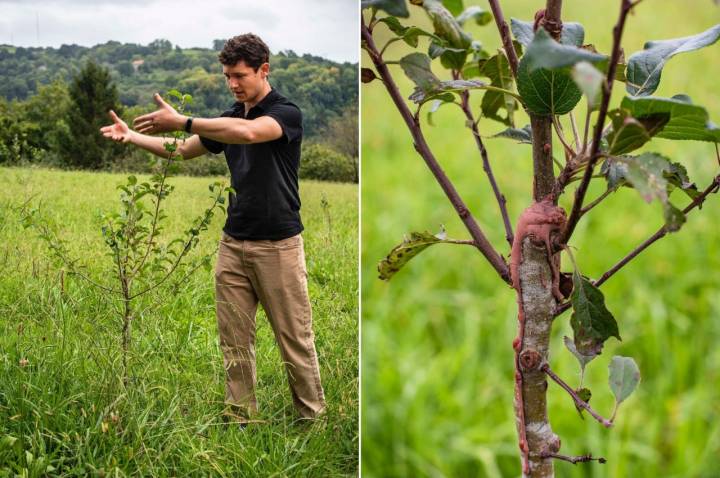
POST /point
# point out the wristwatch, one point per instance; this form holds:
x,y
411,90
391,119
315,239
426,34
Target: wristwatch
x,y
188,124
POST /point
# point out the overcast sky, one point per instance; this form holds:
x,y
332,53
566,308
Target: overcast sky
x,y
326,28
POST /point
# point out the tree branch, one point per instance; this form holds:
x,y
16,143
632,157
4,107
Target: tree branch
x,y
625,7
423,149
504,31
578,401
486,167
712,188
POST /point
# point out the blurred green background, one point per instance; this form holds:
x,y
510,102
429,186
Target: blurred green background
x,y
437,362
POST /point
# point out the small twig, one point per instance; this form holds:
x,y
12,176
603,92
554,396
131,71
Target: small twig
x,y
504,31
586,130
421,146
500,198
596,201
573,459
579,401
576,136
561,137
625,7
390,42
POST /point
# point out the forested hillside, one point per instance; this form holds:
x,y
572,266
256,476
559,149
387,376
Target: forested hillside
x,y
53,102
322,88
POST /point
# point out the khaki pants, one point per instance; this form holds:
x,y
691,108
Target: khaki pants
x,y
274,274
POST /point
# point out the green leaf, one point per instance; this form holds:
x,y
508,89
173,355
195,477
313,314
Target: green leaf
x,y
590,81
687,121
497,69
397,8
572,33
624,377
645,67
417,67
445,88
585,395
453,6
445,25
628,133
591,321
647,174
677,176
409,248
480,15
582,359
546,53
436,104
409,35
523,136
542,83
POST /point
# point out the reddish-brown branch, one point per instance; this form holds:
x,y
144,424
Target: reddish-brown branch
x,y
576,212
659,234
423,149
578,401
486,167
505,36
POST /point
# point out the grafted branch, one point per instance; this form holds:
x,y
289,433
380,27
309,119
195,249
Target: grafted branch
x,y
421,146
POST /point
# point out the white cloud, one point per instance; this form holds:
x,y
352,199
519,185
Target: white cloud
x,y
327,28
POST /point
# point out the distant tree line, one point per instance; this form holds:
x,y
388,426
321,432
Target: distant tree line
x,y
53,101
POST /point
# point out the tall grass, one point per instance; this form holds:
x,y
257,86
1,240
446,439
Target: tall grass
x,y
436,347
63,409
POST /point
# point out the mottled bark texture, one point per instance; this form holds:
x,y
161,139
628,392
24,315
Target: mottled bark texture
x,y
535,278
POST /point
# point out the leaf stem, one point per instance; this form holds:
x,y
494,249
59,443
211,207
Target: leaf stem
x,y
596,202
578,401
561,137
576,136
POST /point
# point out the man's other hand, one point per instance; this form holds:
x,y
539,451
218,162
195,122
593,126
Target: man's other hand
x,y
118,131
163,120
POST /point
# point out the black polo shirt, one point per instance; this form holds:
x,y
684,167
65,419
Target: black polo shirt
x,y
266,203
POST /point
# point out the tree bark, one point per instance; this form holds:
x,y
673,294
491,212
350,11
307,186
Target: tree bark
x,y
536,304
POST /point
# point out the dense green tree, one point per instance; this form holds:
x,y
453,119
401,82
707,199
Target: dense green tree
x,y
92,94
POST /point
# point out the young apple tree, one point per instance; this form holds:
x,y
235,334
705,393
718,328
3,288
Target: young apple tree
x,y
546,68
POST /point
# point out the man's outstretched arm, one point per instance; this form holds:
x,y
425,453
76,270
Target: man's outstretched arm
x,y
120,132
226,130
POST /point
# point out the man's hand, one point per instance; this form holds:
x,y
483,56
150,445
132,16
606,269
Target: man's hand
x,y
163,120
118,131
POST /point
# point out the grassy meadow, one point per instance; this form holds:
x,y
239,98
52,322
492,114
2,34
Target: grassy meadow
x,y
63,408
437,362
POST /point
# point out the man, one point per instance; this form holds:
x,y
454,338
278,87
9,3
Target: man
x,y
261,256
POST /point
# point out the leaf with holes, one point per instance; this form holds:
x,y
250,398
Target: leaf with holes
x,y
645,67
409,248
591,321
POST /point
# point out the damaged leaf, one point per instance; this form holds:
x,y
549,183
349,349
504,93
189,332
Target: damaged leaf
x,y
409,248
591,321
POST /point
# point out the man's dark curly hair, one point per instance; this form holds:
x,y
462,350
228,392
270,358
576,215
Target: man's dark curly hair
x,y
248,48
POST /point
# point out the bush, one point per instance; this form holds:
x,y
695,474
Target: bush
x,y
325,164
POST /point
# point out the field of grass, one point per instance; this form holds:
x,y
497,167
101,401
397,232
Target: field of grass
x,y
437,363
63,408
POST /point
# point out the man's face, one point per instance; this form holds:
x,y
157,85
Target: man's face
x,y
244,82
